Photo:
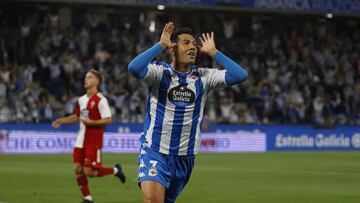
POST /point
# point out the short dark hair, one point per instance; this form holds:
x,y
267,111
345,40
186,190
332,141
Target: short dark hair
x,y
97,74
179,31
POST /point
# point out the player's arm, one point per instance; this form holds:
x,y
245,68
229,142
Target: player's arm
x,y
235,74
65,120
138,66
96,123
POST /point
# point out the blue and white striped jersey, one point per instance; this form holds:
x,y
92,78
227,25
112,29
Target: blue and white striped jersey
x,y
175,107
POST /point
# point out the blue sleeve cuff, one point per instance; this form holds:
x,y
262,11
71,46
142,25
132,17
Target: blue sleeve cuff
x,y
235,74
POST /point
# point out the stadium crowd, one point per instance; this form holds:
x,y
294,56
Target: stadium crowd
x,y
305,70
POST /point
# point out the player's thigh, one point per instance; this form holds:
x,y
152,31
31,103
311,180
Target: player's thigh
x,y
78,160
92,157
183,167
174,190
153,192
153,175
78,156
153,167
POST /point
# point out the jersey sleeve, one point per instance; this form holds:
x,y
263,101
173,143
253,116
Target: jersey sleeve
x,y
104,108
215,78
77,109
154,74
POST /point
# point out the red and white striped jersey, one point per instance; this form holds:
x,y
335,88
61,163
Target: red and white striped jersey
x,y
95,107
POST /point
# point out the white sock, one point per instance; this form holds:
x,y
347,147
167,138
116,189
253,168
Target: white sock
x,y
115,170
88,198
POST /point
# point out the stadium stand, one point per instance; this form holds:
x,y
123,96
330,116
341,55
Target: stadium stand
x,y
302,69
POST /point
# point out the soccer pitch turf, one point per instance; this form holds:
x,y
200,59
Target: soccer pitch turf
x,y
273,177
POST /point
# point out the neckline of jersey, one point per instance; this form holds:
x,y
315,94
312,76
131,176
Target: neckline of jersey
x,y
180,73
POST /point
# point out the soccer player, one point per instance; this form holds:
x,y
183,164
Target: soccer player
x,y
175,106
93,112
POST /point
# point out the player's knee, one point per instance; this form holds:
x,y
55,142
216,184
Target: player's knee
x,y
153,198
89,172
78,170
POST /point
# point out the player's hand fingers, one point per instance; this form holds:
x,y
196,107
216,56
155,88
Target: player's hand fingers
x,y
201,40
212,35
208,36
164,29
171,28
204,37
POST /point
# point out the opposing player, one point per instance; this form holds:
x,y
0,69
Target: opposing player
x,y
175,105
93,112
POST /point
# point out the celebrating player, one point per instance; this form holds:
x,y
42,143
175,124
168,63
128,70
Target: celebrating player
x,y
175,105
93,112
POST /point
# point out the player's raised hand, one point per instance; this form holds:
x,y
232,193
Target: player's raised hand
x,y
208,44
165,40
56,123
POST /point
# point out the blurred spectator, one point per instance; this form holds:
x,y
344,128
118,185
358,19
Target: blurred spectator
x,y
308,73
45,110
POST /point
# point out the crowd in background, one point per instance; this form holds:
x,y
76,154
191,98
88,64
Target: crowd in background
x,y
301,71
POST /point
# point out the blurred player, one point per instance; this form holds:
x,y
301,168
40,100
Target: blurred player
x,y
177,95
93,112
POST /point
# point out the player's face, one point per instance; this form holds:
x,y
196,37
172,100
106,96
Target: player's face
x,y
186,49
90,80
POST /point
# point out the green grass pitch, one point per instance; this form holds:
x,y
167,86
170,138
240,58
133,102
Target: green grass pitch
x,y
273,177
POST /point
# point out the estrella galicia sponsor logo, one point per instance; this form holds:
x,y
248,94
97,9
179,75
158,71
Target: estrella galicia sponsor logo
x,y
319,141
355,140
181,95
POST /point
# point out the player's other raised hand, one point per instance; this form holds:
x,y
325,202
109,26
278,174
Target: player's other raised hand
x,y
208,44
165,40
